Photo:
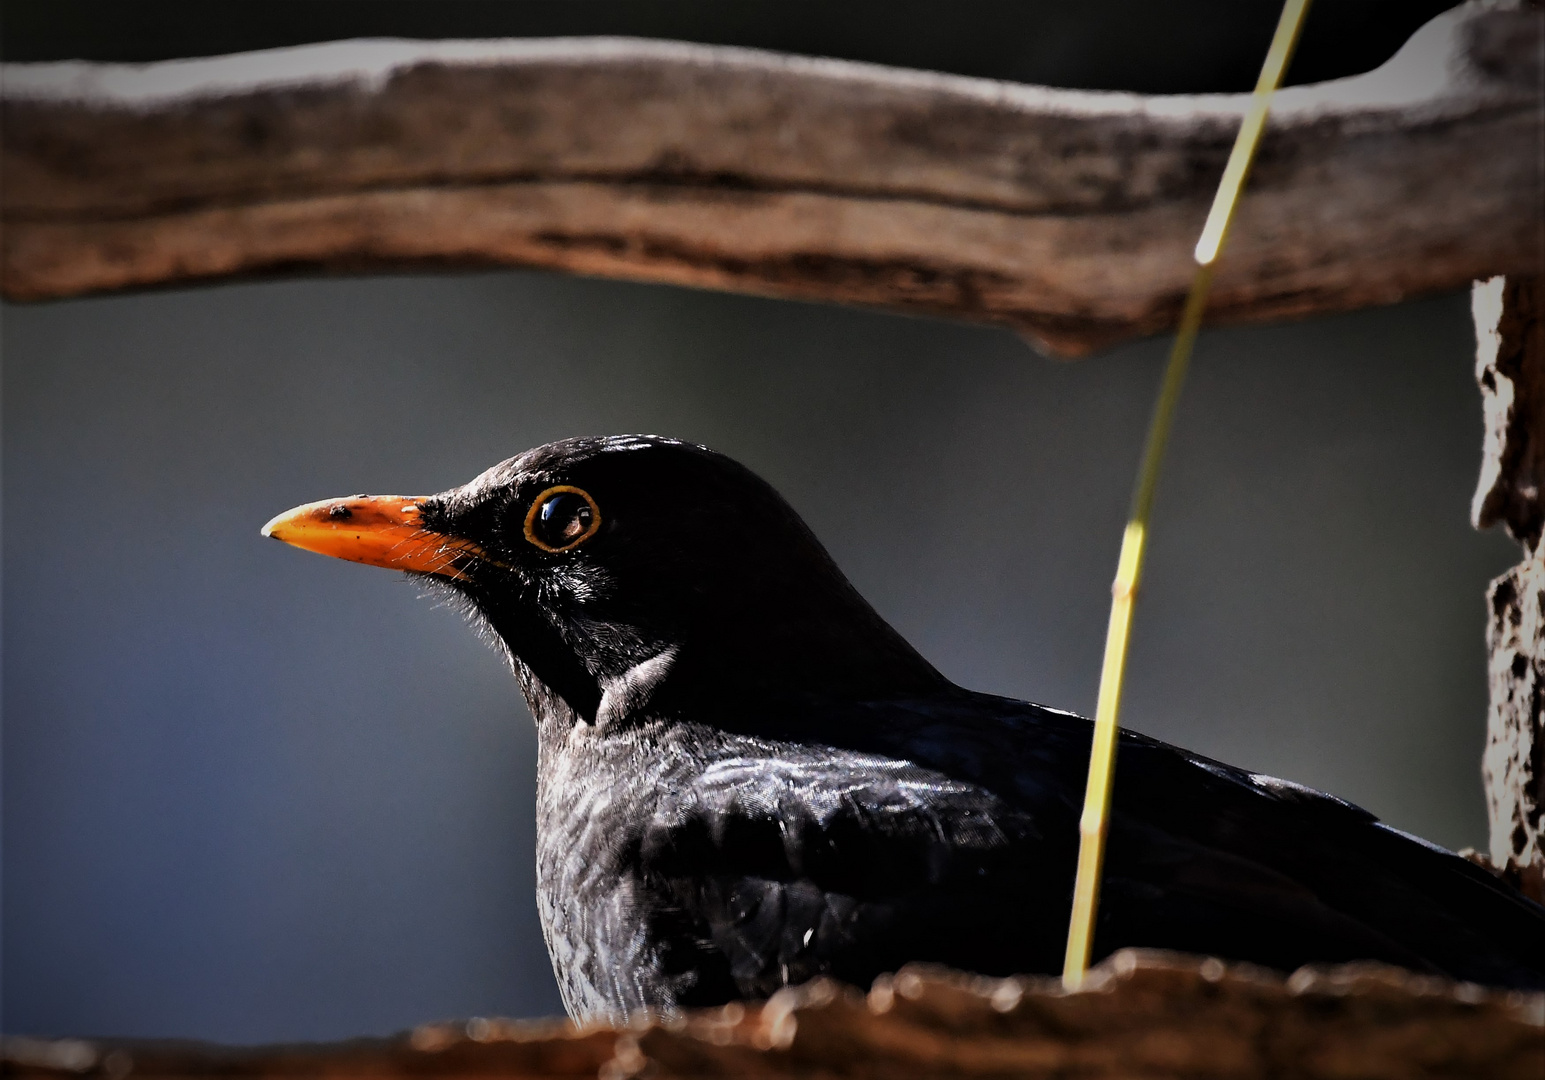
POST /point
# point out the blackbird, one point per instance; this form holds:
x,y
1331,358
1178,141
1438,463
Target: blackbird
x,y
746,778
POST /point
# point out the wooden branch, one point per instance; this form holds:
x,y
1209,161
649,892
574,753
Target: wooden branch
x,y
1510,367
1068,215
1143,1014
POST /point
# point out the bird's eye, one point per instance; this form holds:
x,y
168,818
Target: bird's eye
x,y
561,518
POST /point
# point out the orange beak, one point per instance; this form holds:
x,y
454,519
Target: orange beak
x,y
380,530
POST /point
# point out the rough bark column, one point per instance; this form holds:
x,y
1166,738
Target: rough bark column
x,y
1510,367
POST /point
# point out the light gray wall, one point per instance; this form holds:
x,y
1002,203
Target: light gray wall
x,y
253,794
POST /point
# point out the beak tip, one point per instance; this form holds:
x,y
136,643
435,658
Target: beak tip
x,y
271,529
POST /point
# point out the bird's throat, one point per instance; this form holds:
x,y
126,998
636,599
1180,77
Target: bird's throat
x,y
551,674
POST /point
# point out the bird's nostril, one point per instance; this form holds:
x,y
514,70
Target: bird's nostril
x,y
340,513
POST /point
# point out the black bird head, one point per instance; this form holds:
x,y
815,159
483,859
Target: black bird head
x,y
630,567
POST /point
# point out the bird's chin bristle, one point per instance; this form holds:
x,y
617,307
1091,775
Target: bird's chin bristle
x,y
453,595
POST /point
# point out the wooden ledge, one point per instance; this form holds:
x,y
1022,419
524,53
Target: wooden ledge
x,y
1141,1014
1067,215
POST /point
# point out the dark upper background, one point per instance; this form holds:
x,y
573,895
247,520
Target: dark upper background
x,y
1159,47
251,795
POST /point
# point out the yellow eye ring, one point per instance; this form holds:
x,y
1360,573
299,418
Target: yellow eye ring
x,y
533,523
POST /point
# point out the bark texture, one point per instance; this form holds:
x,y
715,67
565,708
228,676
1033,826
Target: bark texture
x,y
1510,367
1067,215
1142,1014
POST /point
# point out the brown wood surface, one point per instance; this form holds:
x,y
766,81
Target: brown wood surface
x,y
1142,1014
1510,367
1068,215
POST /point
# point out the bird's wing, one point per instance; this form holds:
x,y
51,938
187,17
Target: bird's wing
x,y
1210,858
948,833
794,861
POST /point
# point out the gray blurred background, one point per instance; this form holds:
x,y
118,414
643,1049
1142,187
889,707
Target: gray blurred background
x,y
252,794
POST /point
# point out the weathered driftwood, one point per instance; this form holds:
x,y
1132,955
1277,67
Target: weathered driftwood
x,y
1510,366
1141,1015
1069,215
